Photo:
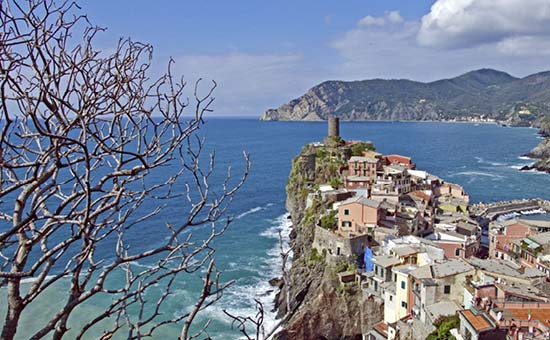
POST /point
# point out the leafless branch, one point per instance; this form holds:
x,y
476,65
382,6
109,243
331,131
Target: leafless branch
x,y
83,137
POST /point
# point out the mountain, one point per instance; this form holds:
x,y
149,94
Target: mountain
x,y
482,93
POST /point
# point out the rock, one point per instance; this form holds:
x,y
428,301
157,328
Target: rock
x,y
277,282
525,168
317,310
542,154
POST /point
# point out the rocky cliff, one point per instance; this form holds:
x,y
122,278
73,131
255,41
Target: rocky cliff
x,y
316,306
542,155
483,93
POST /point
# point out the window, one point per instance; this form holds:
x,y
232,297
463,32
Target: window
x,y
403,304
402,284
346,212
376,270
391,297
447,289
457,252
381,271
394,277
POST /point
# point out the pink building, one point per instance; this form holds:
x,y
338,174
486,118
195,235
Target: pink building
x,y
361,172
452,190
503,234
359,215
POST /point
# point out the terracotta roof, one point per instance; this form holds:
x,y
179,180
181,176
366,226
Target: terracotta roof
x,y
381,328
421,194
477,321
540,314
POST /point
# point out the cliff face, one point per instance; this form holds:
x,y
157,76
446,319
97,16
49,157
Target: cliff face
x,y
542,154
488,93
319,307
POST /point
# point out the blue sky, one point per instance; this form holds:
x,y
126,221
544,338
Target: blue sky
x,y
265,53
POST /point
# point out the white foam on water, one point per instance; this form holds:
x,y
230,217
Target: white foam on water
x,y
253,210
483,161
248,212
475,174
240,299
524,158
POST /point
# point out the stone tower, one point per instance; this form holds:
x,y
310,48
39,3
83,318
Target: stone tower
x,y
333,127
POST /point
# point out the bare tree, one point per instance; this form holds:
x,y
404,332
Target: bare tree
x,y
83,137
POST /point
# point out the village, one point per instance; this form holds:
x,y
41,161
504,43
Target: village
x,y
414,242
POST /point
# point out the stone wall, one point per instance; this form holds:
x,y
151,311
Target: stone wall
x,y
337,245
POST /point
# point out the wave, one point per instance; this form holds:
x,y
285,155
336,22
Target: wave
x,y
253,210
476,173
524,158
483,161
240,299
248,212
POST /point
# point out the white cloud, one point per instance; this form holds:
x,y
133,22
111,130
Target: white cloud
x,y
371,21
392,51
248,83
392,17
467,23
525,46
395,17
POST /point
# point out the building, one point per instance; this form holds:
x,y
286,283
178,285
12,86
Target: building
x,y
502,234
359,215
361,172
453,191
438,282
527,250
455,244
475,325
399,160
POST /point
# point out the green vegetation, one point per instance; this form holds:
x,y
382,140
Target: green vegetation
x,y
311,213
335,141
335,182
358,148
444,326
344,266
315,257
328,221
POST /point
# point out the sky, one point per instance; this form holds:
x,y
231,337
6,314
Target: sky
x,y
263,54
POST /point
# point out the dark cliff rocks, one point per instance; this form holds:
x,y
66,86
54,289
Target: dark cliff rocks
x,y
311,300
542,155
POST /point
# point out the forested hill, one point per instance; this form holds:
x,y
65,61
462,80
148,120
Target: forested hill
x,y
482,93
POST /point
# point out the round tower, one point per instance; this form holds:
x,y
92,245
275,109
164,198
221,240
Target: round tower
x,y
333,127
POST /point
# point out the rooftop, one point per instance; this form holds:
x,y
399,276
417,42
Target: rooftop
x,y
542,315
362,200
442,308
443,269
404,268
361,159
404,250
386,260
451,267
505,268
479,322
541,239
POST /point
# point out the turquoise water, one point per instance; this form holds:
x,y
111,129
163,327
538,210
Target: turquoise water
x,y
483,158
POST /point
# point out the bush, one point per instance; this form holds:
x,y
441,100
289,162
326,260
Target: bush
x,y
358,148
329,221
315,257
444,326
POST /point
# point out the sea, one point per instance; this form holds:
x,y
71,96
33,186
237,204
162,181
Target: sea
x,y
484,158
